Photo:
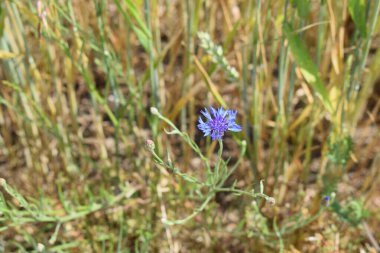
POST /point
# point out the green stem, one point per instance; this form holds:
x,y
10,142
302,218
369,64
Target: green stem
x,y
250,194
195,212
184,136
372,30
219,161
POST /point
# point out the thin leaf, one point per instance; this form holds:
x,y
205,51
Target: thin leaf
x,y
307,66
303,7
7,55
210,85
357,11
2,18
14,194
141,30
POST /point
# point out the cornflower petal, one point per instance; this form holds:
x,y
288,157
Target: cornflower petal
x,y
222,112
203,126
218,122
213,111
232,115
234,127
206,114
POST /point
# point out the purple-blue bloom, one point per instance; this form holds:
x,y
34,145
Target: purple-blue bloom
x,y
326,200
218,122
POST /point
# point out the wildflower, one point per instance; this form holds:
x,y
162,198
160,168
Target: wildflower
x,y
326,200
218,122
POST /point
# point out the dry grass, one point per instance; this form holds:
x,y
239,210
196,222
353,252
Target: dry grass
x,y
74,117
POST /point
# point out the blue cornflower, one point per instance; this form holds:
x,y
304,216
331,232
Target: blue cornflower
x,y
218,122
326,200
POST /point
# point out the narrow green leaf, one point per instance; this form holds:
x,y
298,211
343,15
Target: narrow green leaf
x,y
142,37
307,66
303,7
357,11
3,204
131,6
14,194
141,30
2,19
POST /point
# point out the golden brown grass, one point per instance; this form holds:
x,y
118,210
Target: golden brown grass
x,y
74,118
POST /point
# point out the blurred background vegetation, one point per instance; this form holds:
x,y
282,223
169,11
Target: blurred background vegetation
x,y
78,79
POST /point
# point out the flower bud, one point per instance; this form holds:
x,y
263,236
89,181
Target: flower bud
x,y
154,111
271,200
149,145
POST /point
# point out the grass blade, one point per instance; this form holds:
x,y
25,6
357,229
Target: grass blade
x,y
307,66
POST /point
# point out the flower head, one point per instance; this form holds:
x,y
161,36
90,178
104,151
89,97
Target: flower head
x,y
218,122
149,145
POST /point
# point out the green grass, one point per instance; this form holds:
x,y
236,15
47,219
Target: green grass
x,y
75,99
